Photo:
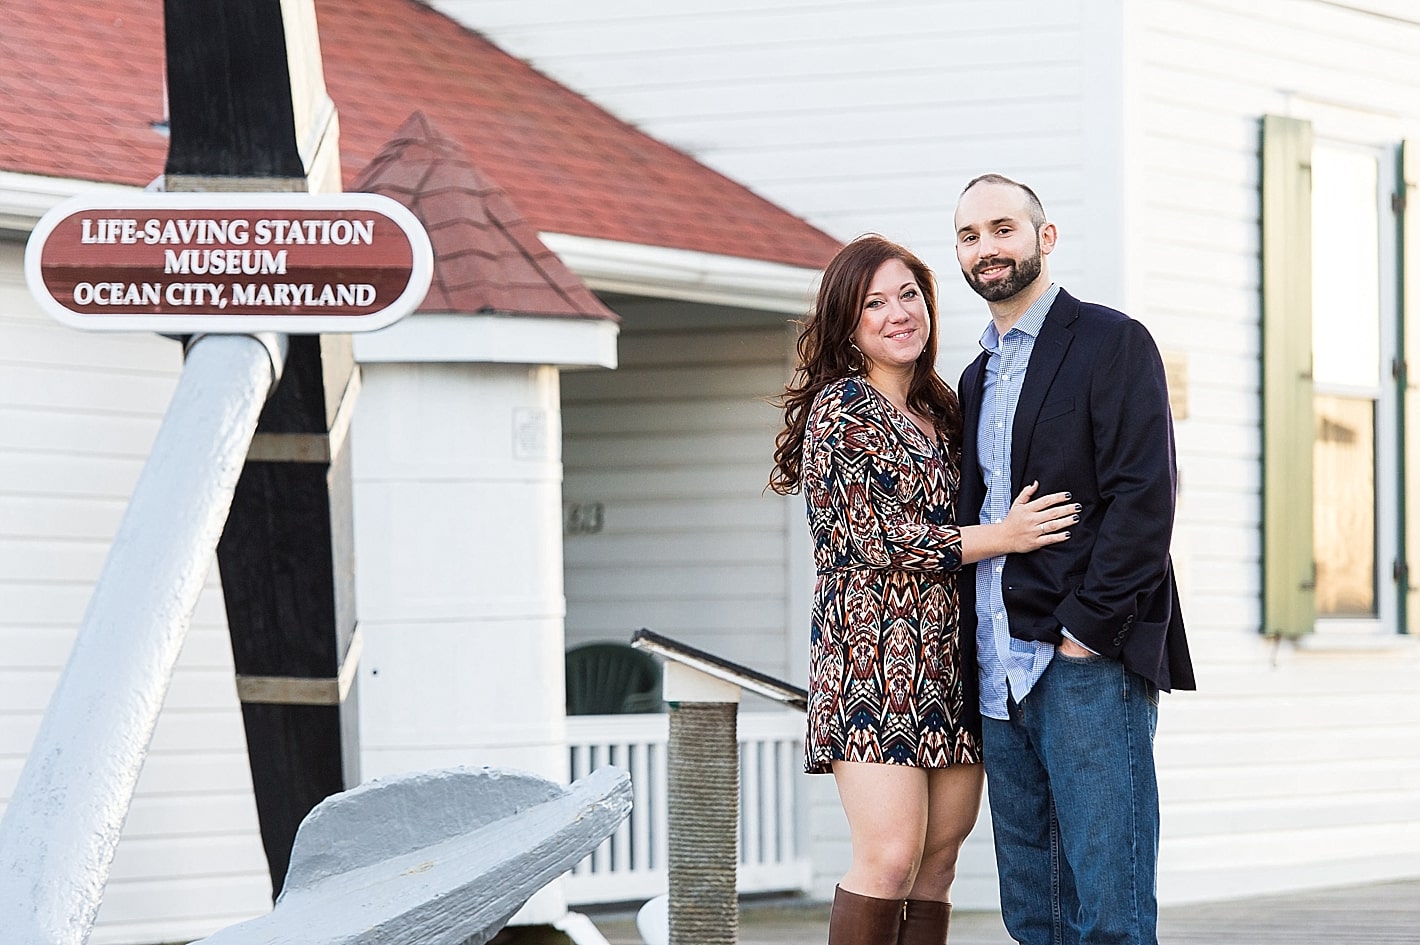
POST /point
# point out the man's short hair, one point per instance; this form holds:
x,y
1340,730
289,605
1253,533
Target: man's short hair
x,y
1037,210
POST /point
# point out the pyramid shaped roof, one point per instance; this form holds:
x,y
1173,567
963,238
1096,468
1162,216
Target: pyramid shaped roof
x,y
487,257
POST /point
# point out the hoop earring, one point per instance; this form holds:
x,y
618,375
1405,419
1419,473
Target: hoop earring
x,y
861,359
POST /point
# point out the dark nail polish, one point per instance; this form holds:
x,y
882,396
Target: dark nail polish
x,y
1067,495
1067,534
1075,518
1079,507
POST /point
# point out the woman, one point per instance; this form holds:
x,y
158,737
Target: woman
x,y
872,435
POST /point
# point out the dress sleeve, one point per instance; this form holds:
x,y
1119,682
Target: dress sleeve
x,y
865,483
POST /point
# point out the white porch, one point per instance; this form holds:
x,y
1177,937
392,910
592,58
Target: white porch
x,y
631,864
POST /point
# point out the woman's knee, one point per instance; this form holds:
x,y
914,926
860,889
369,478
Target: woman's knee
x,y
893,865
936,873
941,860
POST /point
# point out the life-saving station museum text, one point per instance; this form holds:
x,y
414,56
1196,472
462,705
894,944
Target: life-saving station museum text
x,y
230,248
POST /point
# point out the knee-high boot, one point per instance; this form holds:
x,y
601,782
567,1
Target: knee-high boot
x,y
924,922
863,920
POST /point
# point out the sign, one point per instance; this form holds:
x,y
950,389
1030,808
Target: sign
x,y
227,262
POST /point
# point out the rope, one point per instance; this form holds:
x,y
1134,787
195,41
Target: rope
x,y
703,820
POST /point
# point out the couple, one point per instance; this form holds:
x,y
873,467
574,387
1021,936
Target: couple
x,y
1054,479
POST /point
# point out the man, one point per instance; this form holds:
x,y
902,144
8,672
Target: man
x,y
1072,642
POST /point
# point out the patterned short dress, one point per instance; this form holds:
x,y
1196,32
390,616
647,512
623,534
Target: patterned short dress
x,y
885,669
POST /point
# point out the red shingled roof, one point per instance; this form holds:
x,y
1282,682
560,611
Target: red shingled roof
x,y
487,258
82,88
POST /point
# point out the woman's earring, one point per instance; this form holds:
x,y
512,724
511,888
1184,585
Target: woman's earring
x,y
859,361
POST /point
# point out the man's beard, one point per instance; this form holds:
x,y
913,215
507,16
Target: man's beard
x,y
1022,274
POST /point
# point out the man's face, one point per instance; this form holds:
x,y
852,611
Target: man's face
x,y
998,248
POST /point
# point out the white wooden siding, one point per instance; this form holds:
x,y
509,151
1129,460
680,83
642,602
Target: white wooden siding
x,y
676,446
1290,768
78,413
858,115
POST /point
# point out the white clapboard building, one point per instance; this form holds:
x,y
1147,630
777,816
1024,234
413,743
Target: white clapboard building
x,y
1181,146
1234,175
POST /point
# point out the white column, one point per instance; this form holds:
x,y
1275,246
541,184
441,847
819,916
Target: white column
x,y
458,542
458,545
457,463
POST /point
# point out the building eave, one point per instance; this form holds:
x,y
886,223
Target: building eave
x,y
24,198
609,266
454,337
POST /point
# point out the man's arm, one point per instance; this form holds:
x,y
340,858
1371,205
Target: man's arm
x,y
1134,466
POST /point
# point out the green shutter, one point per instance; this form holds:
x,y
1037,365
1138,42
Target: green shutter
x,y
1409,378
1288,567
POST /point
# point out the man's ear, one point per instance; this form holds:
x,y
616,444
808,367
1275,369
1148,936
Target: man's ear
x,y
1047,238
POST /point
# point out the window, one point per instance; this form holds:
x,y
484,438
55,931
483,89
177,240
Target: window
x,y
1332,389
1352,349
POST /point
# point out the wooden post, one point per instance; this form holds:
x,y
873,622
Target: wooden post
x,y
703,806
703,781
247,107
248,112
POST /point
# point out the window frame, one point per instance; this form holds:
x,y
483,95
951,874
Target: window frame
x,y
1288,388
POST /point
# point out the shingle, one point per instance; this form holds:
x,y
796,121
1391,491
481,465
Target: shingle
x,y
91,78
487,257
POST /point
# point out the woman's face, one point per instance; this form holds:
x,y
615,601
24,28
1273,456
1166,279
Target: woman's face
x,y
893,326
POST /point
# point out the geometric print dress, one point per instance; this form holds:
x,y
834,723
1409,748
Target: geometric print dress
x,y
885,667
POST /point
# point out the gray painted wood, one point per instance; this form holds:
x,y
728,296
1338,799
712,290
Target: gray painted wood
x,y
434,858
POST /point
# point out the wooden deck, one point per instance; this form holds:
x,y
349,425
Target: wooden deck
x,y
1379,914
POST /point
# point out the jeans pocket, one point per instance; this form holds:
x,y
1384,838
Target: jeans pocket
x,y
1080,660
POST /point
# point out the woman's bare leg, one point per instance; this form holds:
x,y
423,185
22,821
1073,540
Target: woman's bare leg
x,y
888,815
953,803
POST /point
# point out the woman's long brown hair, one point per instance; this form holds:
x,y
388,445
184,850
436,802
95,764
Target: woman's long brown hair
x,y
826,353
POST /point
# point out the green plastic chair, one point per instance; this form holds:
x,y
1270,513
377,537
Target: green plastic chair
x,y
612,679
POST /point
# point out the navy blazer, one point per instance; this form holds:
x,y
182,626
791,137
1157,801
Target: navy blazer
x,y
1093,420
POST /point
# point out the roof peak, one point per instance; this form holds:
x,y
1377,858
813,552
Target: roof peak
x,y
487,256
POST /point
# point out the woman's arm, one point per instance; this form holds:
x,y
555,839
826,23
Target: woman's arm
x,y
1029,525
857,479
851,480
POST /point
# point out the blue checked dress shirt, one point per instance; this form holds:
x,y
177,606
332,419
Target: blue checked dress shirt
x,y
1007,666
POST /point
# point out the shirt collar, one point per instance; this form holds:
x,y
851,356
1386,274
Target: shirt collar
x,y
1028,324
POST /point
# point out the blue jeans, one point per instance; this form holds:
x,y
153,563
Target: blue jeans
x,y
1075,806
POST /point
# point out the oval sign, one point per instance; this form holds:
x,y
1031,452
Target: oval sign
x,y
233,263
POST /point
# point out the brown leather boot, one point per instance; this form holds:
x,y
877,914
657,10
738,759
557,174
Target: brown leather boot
x,y
863,920
924,922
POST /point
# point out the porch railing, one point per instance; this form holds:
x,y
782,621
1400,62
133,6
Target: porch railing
x,y
631,864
